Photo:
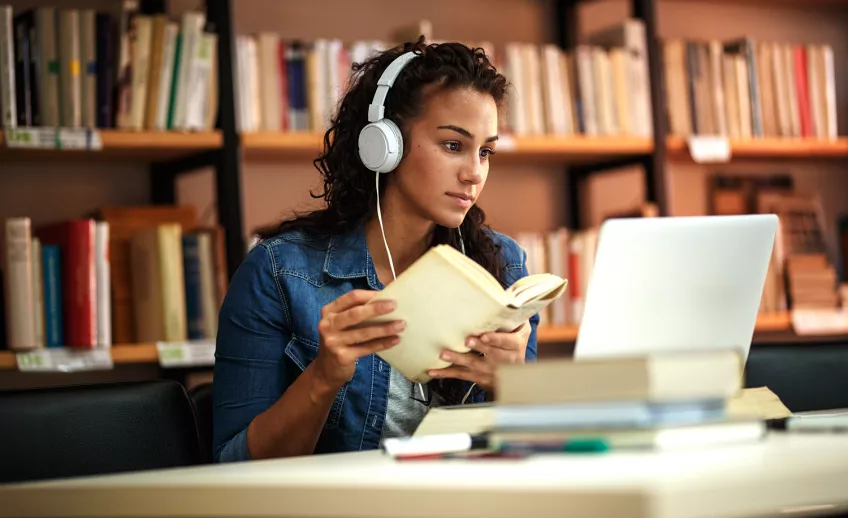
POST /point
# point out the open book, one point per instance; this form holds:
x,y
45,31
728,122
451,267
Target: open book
x,y
445,297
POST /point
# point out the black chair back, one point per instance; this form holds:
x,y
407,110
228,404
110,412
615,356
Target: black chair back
x,y
804,377
96,429
201,399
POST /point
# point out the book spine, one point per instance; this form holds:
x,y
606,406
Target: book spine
x,y
103,285
37,293
8,100
105,70
191,272
88,67
19,284
23,82
52,283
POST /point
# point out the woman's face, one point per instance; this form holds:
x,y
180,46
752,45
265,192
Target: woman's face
x,y
447,155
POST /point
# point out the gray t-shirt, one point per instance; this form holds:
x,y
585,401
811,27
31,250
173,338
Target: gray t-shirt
x,y
404,413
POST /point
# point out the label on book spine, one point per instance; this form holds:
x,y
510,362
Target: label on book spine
x,y
193,353
707,149
64,360
54,138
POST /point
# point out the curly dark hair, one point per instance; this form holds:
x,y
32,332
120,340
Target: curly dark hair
x,y
349,186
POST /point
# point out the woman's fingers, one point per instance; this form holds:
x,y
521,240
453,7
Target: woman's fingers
x,y
365,334
348,300
358,314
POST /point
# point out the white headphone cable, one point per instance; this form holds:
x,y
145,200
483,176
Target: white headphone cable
x,y
392,266
380,217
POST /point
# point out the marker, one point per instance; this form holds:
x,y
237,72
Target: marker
x,y
439,444
583,445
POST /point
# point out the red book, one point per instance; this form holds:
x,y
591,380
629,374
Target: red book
x,y
801,85
75,240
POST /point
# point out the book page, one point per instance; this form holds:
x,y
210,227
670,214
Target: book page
x,y
759,402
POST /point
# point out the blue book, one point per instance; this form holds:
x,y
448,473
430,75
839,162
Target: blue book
x,y
51,268
191,273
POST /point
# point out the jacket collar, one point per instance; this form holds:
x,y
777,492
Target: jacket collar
x,y
348,257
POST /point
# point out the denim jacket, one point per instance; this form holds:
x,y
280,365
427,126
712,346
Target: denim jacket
x,y
268,334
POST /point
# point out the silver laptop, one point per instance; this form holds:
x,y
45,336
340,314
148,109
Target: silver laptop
x,y
676,283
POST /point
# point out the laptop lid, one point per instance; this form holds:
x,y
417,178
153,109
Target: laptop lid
x,y
675,284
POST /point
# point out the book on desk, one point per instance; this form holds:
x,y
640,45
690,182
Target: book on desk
x,y
653,402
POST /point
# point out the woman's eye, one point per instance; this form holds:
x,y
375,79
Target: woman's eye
x,y
452,146
486,152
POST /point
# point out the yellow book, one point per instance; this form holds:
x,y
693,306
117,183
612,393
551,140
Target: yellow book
x,y
445,297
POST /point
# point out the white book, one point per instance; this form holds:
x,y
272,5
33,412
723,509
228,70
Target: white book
x,y
20,302
8,101
140,70
446,287
200,77
190,31
552,89
102,269
167,75
830,91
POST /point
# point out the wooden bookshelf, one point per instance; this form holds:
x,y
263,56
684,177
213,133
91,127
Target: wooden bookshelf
x,y
766,323
145,146
299,145
765,148
129,353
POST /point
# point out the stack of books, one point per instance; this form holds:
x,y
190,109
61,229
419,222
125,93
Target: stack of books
x,y
663,401
656,402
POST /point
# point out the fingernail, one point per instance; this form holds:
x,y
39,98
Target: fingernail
x,y
485,339
400,325
472,343
433,374
394,341
389,305
445,356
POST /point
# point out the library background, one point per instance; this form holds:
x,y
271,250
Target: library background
x,y
143,141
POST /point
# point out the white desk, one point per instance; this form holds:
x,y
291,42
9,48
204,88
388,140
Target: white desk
x,y
785,471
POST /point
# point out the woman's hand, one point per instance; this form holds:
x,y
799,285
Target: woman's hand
x,y
341,346
495,348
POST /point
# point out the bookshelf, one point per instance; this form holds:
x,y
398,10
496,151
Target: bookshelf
x,y
226,150
546,336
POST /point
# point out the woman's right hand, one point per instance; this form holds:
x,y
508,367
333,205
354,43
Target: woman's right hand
x,y
341,346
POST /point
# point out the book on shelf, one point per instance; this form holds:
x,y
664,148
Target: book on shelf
x,y
600,88
112,68
129,275
746,89
801,274
445,297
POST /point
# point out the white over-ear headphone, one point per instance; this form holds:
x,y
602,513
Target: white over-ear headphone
x,y
380,142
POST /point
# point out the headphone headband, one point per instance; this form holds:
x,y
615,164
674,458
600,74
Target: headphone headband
x,y
376,110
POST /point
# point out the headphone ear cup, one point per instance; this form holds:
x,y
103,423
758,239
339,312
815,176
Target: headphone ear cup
x,y
380,146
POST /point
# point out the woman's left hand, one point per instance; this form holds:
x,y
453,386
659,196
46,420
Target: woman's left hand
x,y
496,348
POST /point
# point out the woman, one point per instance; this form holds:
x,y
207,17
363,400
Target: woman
x,y
291,375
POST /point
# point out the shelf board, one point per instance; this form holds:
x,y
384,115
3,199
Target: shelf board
x,y
302,145
128,353
772,148
146,353
766,323
122,145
